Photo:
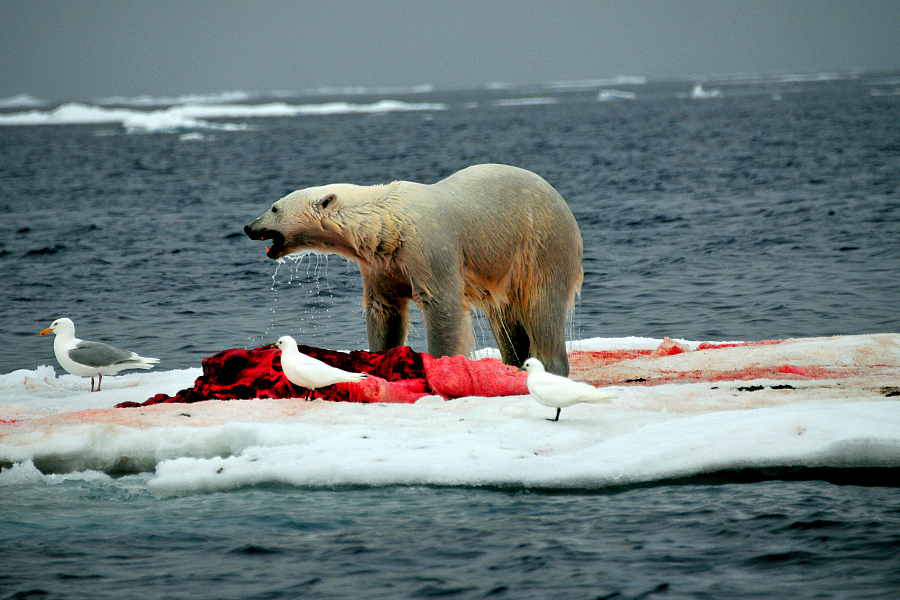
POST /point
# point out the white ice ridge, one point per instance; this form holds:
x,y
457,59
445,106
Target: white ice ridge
x,y
198,115
517,451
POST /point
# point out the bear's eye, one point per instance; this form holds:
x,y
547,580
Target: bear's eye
x,y
274,209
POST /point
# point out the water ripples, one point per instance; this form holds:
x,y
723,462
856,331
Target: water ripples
x,y
739,219
770,540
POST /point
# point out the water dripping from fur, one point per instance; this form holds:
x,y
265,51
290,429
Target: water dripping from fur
x,y
301,300
573,326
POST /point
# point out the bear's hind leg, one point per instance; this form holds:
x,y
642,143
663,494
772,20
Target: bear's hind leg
x,y
556,362
466,344
511,336
546,327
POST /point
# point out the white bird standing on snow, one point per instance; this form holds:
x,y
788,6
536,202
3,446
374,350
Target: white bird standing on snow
x,y
310,373
91,359
559,392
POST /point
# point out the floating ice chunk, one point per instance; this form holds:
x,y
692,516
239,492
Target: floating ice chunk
x,y
649,433
510,102
608,95
699,93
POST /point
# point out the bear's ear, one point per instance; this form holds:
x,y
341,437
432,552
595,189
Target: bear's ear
x,y
323,202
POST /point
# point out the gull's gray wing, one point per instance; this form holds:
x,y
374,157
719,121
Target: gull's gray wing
x,y
96,354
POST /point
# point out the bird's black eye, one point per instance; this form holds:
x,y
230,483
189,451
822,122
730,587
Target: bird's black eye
x,y
274,209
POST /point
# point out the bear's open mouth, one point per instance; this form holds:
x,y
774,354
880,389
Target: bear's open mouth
x,y
268,234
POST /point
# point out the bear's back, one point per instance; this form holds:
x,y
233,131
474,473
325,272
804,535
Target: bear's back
x,y
503,221
506,201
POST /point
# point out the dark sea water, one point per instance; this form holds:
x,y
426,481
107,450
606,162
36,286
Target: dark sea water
x,y
739,217
765,540
771,211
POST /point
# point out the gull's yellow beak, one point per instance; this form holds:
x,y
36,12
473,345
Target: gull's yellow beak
x,y
46,331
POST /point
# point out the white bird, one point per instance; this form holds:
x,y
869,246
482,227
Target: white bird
x,y
310,373
559,392
91,359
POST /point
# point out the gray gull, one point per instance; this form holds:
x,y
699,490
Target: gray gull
x,y
91,359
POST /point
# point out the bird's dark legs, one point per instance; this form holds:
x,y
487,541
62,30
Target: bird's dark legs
x,y
558,410
99,381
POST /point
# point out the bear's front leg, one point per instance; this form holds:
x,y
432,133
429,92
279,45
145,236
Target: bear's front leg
x,y
448,326
386,306
387,324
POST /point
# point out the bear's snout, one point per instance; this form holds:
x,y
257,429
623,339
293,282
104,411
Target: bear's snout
x,y
277,238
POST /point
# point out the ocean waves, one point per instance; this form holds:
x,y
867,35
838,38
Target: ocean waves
x,y
199,115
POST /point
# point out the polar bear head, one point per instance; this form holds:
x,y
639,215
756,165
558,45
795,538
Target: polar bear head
x,y
339,218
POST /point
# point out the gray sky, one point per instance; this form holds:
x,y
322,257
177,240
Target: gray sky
x,y
87,49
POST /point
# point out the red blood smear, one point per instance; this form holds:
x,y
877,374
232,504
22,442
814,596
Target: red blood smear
x,y
401,375
398,375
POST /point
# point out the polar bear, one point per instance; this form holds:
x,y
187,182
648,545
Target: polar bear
x,y
492,237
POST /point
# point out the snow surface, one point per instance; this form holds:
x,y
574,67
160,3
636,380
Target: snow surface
x,y
52,425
